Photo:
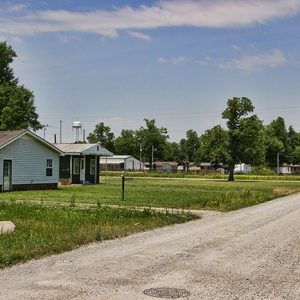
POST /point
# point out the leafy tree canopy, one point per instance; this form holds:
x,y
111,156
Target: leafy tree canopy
x,y
17,110
103,135
245,133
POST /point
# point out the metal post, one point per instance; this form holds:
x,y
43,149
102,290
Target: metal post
x,y
123,187
152,150
278,163
60,131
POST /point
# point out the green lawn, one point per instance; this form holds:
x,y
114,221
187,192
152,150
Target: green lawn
x,y
43,230
158,192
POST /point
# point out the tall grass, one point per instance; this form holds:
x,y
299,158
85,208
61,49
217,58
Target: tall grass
x,y
42,230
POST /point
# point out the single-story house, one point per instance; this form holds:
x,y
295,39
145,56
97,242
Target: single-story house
x,y
289,169
120,163
165,166
242,168
27,161
80,164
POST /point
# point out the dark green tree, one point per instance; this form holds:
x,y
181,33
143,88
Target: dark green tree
x,y
103,135
273,145
127,143
152,140
246,138
17,110
214,146
172,152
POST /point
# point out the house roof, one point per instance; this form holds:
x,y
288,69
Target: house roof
x,y
8,137
117,159
85,149
161,163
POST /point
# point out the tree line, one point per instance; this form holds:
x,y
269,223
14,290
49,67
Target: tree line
x,y
246,139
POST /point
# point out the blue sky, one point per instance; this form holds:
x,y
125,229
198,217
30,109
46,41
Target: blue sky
x,y
176,61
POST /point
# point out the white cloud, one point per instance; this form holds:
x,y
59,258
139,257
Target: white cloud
x,y
203,62
180,60
256,62
235,47
140,36
174,60
162,60
17,7
165,13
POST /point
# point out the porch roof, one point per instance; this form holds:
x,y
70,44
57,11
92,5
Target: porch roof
x,y
83,149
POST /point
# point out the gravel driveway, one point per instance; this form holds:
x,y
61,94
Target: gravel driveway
x,y
248,254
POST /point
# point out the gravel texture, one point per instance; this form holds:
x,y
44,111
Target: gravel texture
x,y
252,253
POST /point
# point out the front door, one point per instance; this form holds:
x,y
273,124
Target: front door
x,y
7,175
82,169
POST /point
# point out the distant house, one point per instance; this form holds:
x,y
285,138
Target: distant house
x,y
27,162
120,163
242,168
165,166
289,169
206,166
80,163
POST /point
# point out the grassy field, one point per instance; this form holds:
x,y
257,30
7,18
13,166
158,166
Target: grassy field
x,y
159,192
204,176
43,230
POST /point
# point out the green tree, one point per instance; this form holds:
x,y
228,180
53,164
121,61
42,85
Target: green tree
x,y
151,138
214,146
172,152
17,110
127,143
246,139
273,145
192,143
103,135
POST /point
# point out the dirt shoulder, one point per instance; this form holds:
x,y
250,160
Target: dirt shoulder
x,y
248,254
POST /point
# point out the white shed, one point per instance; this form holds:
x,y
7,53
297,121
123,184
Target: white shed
x,y
121,162
242,168
27,161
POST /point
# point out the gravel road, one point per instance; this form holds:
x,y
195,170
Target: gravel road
x,y
253,253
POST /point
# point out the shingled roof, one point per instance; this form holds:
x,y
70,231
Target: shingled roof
x,y
7,136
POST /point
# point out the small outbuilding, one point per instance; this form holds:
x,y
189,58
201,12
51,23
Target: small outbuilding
x,y
165,166
120,163
80,164
27,162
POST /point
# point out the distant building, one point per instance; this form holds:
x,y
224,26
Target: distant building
x,y
80,163
165,166
27,162
289,169
120,163
242,168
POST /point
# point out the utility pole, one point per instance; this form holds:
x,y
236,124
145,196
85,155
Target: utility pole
x,y
60,131
278,163
141,153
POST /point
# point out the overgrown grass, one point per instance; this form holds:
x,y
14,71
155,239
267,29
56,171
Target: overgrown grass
x,y
158,192
43,230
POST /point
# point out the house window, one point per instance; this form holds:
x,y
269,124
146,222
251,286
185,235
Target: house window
x,y
92,166
76,166
49,167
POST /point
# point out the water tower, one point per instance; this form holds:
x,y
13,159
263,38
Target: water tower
x,y
76,130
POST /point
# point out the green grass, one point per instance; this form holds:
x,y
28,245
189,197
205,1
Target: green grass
x,y
43,230
158,192
203,175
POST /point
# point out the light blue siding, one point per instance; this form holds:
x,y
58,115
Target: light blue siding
x,y
29,161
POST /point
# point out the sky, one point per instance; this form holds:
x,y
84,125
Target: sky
x,y
177,62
